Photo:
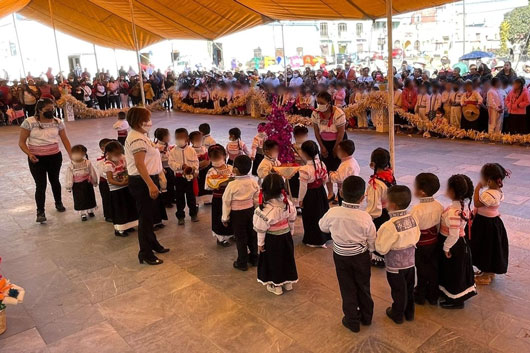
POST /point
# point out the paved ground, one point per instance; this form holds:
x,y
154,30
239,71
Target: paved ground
x,y
86,291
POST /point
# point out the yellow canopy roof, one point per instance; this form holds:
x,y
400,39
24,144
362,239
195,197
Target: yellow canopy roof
x,y
108,22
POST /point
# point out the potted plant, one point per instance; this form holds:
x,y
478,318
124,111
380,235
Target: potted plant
x,y
10,294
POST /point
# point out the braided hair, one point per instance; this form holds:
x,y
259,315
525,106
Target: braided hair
x,y
272,187
494,172
381,159
160,133
311,149
462,187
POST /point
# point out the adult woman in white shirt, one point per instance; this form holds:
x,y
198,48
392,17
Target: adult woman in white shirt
x,y
144,165
329,123
39,140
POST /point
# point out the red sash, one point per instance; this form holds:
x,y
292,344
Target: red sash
x,y
428,236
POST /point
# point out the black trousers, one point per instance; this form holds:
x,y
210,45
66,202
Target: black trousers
x,y
114,102
46,166
121,139
246,237
353,273
105,197
168,197
103,102
146,207
30,109
427,271
402,291
184,194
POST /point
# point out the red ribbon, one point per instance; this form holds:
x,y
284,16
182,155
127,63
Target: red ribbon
x,y
286,199
260,197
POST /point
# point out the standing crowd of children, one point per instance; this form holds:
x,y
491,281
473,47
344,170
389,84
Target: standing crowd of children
x,y
431,254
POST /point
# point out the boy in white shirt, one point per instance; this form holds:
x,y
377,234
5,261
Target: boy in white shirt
x,y
428,214
207,139
271,150
185,164
122,127
353,234
239,200
396,239
495,107
348,165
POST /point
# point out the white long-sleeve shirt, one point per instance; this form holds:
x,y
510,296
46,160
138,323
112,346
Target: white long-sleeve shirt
x,y
376,198
240,194
257,144
266,165
77,172
236,148
309,174
226,172
428,213
276,218
347,167
183,156
474,97
351,228
208,141
452,226
494,100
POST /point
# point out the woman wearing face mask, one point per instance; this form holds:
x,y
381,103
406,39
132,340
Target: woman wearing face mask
x,y
144,165
39,140
329,123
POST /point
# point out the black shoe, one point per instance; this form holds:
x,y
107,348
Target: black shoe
x,y
121,234
409,317
181,221
433,302
162,250
159,226
366,322
194,218
60,207
419,300
253,261
91,214
108,219
224,243
240,267
391,316
84,218
150,261
41,217
354,327
451,305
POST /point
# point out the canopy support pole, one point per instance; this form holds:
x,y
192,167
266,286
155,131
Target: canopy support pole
x,y
55,38
96,57
464,26
390,77
284,59
140,73
18,44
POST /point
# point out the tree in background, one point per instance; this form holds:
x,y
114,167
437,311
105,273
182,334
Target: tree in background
x,y
515,29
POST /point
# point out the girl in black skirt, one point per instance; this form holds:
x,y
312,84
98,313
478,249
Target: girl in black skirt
x,y
456,278
382,179
81,178
123,207
312,195
216,180
274,224
488,238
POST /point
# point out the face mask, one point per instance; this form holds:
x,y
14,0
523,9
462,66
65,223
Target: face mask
x,y
295,75
322,107
147,126
48,114
197,144
77,156
218,163
181,143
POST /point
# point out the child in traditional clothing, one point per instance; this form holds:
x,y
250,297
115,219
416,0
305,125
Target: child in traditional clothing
x,y
256,153
239,200
353,234
103,184
81,178
348,165
271,149
396,240
488,238
223,171
312,195
208,140
376,200
424,100
300,134
428,214
236,147
446,102
456,277
162,143
185,164
204,164
360,96
274,225
456,109
124,213
122,126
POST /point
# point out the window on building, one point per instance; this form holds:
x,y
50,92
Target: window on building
x,y
343,28
380,25
359,29
299,51
257,52
477,36
417,45
323,28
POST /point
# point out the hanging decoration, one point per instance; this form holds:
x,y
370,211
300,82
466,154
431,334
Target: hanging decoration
x,y
280,130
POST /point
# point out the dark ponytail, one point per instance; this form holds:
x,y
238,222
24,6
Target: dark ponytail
x,y
272,187
495,172
381,159
311,149
462,187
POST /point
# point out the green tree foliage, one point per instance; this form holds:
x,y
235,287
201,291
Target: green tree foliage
x,y
516,27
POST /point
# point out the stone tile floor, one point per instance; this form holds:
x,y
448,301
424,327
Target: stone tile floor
x,y
86,291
